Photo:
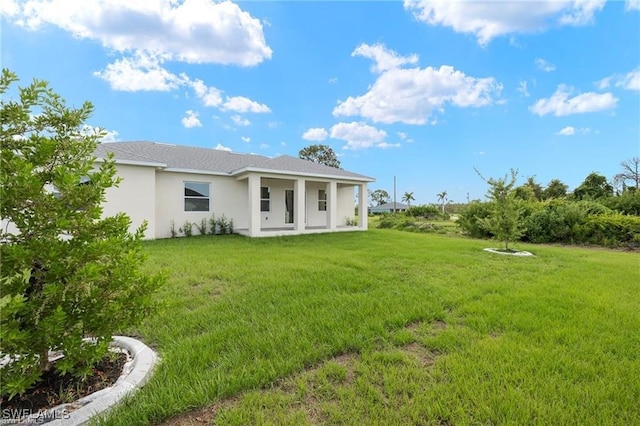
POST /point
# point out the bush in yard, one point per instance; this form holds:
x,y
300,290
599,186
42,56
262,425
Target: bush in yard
x,y
612,230
560,220
470,218
424,211
627,203
67,273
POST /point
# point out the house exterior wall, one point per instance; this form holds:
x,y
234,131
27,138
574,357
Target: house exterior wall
x,y
346,204
228,196
315,217
275,217
135,196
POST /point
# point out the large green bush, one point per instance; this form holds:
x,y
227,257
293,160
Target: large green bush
x,y
612,230
471,217
559,220
627,203
67,273
424,211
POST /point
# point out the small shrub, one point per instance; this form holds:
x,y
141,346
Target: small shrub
x,y
68,273
202,226
186,228
212,224
224,225
351,221
174,232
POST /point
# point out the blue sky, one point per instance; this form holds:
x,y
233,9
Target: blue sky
x,y
421,90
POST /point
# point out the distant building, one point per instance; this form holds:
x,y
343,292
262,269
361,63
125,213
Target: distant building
x,y
388,208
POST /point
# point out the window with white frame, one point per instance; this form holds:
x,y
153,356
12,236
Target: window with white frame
x,y
196,196
322,200
265,199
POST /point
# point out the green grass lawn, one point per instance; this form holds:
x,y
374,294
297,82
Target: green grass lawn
x,y
389,327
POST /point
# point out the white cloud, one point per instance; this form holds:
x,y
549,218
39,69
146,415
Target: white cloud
x,y
632,5
108,135
242,104
221,147
246,139
193,31
8,8
191,120
384,58
570,131
544,65
240,121
561,104
582,12
401,135
487,20
522,88
412,95
567,131
315,134
385,145
210,96
629,81
264,146
273,124
333,80
359,135
139,73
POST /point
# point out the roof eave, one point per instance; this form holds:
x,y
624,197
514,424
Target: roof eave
x,y
306,174
133,162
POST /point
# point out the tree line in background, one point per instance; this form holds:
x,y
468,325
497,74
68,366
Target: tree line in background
x,y
596,212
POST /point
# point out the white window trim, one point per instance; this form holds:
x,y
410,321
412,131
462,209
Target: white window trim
x,y
188,197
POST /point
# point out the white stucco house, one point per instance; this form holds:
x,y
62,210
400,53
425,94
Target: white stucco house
x,y
264,196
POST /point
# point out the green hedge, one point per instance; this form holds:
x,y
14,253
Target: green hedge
x,y
613,230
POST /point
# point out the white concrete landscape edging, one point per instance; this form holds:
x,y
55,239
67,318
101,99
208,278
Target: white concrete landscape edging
x,y
508,253
135,374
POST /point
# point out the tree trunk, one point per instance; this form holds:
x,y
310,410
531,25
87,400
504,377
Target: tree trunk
x,y
45,365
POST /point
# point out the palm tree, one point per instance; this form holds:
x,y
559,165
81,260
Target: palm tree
x,y
442,197
408,198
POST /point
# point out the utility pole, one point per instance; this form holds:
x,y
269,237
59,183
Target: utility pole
x,y
394,196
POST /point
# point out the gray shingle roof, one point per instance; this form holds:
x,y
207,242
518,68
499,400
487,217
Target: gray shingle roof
x,y
216,161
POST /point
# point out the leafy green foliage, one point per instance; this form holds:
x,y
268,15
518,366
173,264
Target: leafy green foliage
x,y
408,198
424,211
186,228
627,203
593,187
322,154
555,189
379,197
67,273
504,221
611,230
471,217
560,220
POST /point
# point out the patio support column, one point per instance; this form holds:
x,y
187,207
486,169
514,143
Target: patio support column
x,y
254,205
299,200
363,212
332,205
